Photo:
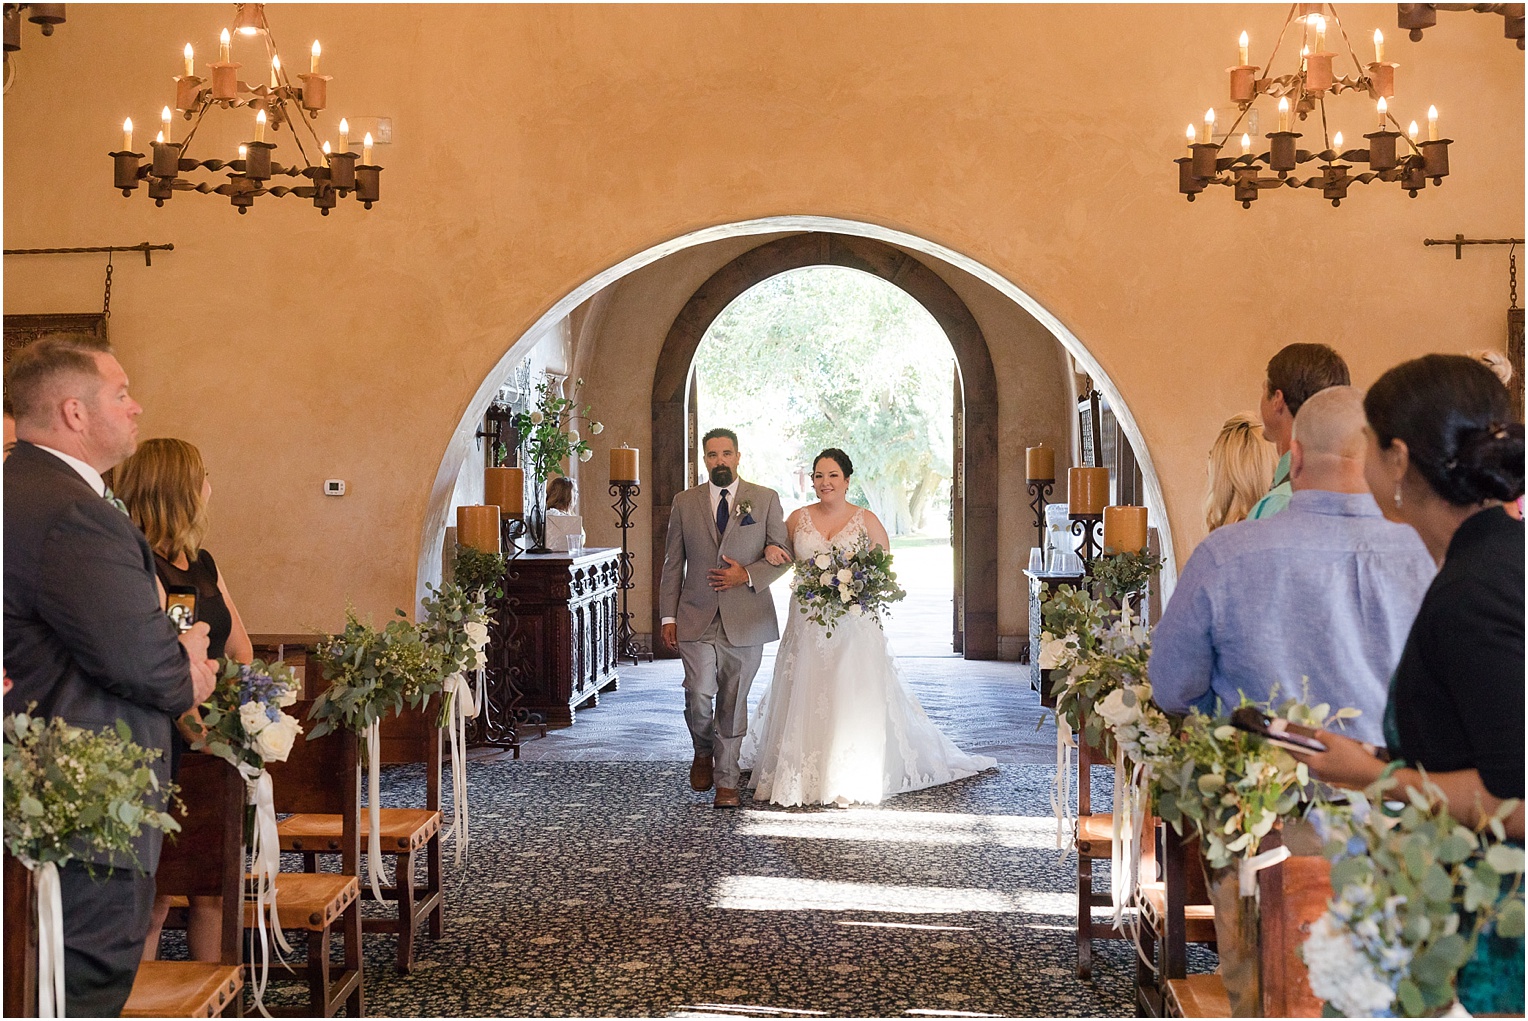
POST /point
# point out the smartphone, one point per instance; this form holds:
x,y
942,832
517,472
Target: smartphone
x,y
180,606
1278,731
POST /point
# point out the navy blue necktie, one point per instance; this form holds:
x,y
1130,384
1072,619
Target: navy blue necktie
x,y
722,514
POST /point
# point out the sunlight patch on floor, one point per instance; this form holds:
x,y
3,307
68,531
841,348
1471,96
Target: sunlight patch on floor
x,y
741,1010
773,893
949,1013
909,925
879,826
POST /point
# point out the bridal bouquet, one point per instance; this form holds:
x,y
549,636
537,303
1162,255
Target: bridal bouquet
x,y
243,722
857,582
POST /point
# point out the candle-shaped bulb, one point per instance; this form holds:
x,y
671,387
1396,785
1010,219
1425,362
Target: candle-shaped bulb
x,y
159,137
1283,113
344,135
1246,143
1192,134
1337,142
1432,123
366,149
275,70
223,40
1379,46
243,151
1241,46
1209,125
327,150
164,122
127,135
1412,131
1382,108
313,63
1320,33
190,56
260,126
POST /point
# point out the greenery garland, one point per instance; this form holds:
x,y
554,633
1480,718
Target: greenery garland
x,y
479,572
373,672
1122,575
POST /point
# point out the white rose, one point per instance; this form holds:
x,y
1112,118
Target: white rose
x,y
1054,652
477,634
252,715
482,660
844,595
845,575
822,560
536,418
274,743
596,427
855,609
826,579
573,435
1115,712
585,455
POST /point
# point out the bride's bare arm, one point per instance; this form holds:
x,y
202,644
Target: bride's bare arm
x,y
878,536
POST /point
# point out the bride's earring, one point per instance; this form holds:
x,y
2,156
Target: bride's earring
x,y
1397,496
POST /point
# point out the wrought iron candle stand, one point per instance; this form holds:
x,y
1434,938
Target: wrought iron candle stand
x,y
626,646
1040,490
1088,527
500,715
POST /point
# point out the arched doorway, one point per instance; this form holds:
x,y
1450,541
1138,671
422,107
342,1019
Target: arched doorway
x,y
974,495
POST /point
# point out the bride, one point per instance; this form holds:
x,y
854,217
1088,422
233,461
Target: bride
x,y
838,724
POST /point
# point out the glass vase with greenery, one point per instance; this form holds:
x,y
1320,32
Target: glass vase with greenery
x,y
549,438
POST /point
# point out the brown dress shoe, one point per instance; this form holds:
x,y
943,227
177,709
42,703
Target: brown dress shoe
x,y
726,797
700,773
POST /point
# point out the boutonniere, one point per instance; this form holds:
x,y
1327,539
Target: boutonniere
x,y
745,512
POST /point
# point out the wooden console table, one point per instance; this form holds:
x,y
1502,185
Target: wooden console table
x,y
565,610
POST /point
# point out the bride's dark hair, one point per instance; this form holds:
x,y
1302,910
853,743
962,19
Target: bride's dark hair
x,y
842,459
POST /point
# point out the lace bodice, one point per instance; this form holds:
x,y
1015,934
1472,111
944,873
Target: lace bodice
x,y
809,542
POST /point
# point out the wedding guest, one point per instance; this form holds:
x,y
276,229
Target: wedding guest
x,y
562,525
1241,463
1296,373
166,488
85,636
1324,591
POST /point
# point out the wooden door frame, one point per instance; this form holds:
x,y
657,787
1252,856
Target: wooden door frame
x,y
973,360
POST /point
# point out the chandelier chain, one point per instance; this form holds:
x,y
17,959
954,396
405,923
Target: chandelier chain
x,y
106,301
1512,274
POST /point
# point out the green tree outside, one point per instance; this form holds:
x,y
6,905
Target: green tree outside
x,y
833,357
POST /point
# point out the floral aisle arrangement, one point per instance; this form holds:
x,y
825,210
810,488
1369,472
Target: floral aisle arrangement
x,y
1413,891
549,436
456,623
372,672
858,582
480,573
243,724
73,793
1121,577
1071,621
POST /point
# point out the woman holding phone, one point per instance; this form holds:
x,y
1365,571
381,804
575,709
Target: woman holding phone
x,y
166,489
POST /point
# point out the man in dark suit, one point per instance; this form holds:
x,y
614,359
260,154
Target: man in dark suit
x,y
85,636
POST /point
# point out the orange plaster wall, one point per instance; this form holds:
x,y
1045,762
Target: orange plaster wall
x,y
537,146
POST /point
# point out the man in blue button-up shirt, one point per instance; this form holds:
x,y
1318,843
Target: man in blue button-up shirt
x,y
1322,594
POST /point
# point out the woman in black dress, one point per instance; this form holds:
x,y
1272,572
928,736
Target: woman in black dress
x,y
1443,458
166,489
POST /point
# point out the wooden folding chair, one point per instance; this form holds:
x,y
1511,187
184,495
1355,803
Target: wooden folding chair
x,y
1175,911
408,738
206,858
323,776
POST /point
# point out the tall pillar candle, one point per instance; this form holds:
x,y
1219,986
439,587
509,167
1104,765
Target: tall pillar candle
x,y
1087,490
504,488
1040,463
478,527
1124,529
623,464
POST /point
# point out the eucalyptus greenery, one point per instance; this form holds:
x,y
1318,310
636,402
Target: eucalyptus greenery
x,y
547,432
1114,658
456,623
72,793
1122,575
1071,615
372,672
479,572
1412,891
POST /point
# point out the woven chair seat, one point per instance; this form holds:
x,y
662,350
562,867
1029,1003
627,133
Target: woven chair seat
x,y
1198,996
309,900
402,829
183,989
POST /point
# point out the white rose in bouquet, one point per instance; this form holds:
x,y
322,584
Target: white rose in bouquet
x,y
477,634
845,595
1055,652
855,609
1114,710
481,663
822,560
274,742
254,718
845,575
826,579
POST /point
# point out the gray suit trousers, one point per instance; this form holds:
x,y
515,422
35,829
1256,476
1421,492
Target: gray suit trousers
x,y
717,676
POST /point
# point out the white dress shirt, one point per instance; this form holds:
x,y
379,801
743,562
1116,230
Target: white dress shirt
x,y
89,474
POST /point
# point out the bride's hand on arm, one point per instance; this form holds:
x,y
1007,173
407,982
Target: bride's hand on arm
x,y
776,556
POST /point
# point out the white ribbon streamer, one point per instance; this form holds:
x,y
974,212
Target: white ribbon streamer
x,y
373,735
50,939
1061,796
1121,856
461,706
1246,872
265,856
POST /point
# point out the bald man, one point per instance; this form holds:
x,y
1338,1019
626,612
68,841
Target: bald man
x,y
1318,598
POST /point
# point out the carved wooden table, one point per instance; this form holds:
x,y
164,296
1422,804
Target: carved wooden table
x,y
565,611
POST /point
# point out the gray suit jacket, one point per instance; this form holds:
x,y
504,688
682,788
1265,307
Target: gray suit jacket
x,y
84,635
748,615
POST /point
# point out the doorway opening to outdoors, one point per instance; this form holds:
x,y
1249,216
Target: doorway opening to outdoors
x,y
828,356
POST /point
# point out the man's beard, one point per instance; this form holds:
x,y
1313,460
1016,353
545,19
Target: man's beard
x,y
721,475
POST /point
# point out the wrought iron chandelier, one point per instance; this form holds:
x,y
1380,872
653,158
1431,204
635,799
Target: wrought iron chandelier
x,y
1393,156
331,175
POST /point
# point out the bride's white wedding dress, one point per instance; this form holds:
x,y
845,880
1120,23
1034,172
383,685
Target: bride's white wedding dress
x,y
838,724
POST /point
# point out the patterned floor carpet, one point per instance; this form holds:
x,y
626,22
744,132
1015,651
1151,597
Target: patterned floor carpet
x,y
609,889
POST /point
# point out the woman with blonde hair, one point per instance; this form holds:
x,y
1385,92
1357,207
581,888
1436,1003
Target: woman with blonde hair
x,y
1241,463
165,488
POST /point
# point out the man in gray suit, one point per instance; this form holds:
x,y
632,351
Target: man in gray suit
x,y
85,635
716,607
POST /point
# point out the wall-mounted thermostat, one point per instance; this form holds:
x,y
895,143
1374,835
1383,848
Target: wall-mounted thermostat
x,y
334,487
